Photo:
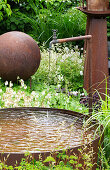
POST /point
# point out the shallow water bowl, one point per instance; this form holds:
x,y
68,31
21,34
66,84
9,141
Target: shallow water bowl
x,y
44,131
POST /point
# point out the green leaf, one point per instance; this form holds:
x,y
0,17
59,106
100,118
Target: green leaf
x,y
0,7
1,16
49,159
4,6
8,11
72,162
8,5
79,165
73,157
13,26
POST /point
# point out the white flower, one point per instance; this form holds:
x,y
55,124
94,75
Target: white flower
x,y
14,92
75,93
18,77
43,93
10,84
0,90
33,93
80,61
82,94
6,83
25,87
22,82
76,47
48,96
48,103
60,77
56,94
62,61
81,73
58,86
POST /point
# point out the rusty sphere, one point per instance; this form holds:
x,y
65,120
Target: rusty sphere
x,y
19,56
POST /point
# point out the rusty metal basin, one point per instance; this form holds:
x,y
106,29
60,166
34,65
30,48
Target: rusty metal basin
x,y
19,56
12,156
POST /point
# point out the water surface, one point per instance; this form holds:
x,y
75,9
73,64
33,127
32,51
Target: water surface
x,y
22,131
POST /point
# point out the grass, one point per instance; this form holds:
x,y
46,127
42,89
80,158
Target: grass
x,y
103,116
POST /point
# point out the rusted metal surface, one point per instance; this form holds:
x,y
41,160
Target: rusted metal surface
x,y
19,56
97,5
98,30
74,38
90,74
97,14
87,37
13,157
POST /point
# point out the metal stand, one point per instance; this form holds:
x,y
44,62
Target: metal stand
x,y
97,27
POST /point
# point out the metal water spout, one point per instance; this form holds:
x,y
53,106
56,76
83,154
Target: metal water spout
x,y
55,40
89,40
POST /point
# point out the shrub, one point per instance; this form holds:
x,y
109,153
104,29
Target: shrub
x,y
66,68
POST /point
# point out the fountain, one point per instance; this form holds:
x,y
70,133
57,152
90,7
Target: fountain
x,y
36,129
43,131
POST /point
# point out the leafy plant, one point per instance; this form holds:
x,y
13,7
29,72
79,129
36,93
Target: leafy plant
x,y
5,9
65,162
103,117
96,102
66,68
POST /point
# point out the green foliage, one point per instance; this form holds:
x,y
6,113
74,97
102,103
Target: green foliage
x,y
38,18
50,88
49,159
108,28
66,68
42,96
5,9
65,163
103,117
105,120
69,23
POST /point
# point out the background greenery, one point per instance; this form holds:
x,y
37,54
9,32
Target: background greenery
x,y
39,17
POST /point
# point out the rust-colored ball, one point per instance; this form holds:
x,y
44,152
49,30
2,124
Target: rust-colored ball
x,y
19,56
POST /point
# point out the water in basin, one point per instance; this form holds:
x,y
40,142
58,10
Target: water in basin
x,y
40,131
